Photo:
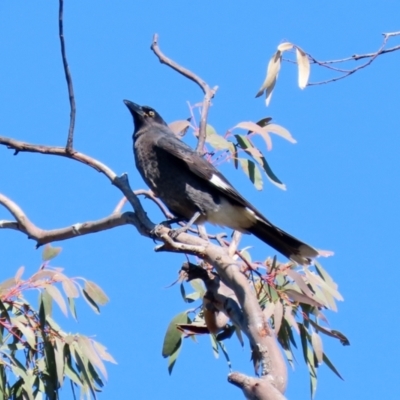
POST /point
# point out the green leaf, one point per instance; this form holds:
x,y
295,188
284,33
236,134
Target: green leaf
x,y
216,141
70,288
45,306
82,363
72,308
317,346
252,171
173,357
173,337
273,68
197,285
324,275
271,176
19,273
280,131
27,331
91,302
328,362
50,252
102,352
57,297
96,293
6,285
214,346
87,349
304,67
59,358
191,297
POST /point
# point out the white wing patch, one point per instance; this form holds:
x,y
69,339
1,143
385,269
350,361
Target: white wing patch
x,y
215,180
236,217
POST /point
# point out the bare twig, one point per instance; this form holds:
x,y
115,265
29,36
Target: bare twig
x,y
208,92
150,195
329,64
70,145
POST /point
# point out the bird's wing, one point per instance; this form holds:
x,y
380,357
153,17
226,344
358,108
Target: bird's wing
x,y
201,167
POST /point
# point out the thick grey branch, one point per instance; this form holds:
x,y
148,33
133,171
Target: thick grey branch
x,y
42,236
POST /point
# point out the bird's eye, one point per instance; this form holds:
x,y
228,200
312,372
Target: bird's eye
x,y
151,113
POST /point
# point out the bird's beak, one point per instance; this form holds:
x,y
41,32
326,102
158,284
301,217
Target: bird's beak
x,y
134,108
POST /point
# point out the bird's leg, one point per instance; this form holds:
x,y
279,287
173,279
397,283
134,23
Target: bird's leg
x,y
175,232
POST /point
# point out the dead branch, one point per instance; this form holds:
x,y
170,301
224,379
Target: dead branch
x,y
345,72
23,224
208,92
69,146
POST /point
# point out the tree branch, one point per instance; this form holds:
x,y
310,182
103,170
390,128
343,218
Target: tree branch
x,y
41,236
356,57
208,92
144,226
69,146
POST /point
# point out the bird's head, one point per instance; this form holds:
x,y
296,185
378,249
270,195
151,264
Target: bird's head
x,y
143,115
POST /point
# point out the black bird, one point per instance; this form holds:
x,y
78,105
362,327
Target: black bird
x,y
195,191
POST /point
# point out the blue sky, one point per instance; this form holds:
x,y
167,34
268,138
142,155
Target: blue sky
x,y
342,175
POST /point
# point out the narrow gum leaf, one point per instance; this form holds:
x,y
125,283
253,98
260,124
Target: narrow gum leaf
x,y
102,352
300,282
281,131
172,359
69,288
328,362
173,336
285,46
319,281
19,273
57,297
273,68
59,358
92,304
252,171
269,310
96,293
27,332
253,127
324,275
6,285
303,64
88,350
317,346
214,346
197,285
290,319
268,92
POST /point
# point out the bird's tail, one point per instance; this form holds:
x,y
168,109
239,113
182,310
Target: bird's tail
x,y
281,241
